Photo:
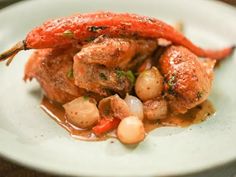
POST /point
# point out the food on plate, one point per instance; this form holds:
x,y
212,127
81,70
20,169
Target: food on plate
x,y
131,130
149,84
118,75
155,109
188,79
82,112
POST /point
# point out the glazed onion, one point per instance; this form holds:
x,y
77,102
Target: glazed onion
x,y
82,112
149,84
135,106
131,130
155,109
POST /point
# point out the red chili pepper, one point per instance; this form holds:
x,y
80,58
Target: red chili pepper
x,y
106,125
85,27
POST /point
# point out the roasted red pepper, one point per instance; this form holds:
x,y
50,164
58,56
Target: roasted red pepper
x,y
105,125
86,27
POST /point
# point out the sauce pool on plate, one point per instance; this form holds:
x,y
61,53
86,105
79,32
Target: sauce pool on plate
x,y
196,115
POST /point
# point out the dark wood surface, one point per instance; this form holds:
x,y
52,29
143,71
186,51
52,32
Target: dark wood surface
x,y
11,169
231,2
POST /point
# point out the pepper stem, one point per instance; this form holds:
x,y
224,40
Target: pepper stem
x,y
10,53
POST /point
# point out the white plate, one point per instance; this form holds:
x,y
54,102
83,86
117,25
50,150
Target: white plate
x,y
29,136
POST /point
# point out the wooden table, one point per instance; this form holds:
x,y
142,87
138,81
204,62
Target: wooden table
x,y
10,169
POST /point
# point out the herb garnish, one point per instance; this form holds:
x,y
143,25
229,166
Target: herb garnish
x,y
68,33
70,74
90,39
128,74
199,95
102,76
86,97
171,84
120,73
96,28
171,81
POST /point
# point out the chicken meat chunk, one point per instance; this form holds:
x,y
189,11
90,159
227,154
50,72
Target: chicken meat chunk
x,y
188,79
53,70
101,66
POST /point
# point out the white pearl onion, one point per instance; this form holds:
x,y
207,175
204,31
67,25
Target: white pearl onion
x,y
135,106
82,112
131,130
149,84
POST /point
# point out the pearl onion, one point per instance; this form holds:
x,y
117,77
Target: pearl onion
x,y
149,84
82,112
131,130
135,106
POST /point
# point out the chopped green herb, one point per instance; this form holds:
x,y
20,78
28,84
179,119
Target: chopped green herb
x,y
171,91
120,73
171,84
130,76
150,20
102,76
199,95
70,74
90,39
96,28
171,81
68,33
86,97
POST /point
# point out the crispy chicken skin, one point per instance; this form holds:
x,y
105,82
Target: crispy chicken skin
x,y
99,79
95,66
188,80
115,52
50,67
118,74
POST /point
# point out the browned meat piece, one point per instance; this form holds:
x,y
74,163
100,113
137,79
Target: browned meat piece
x,y
114,107
188,80
115,52
52,68
99,79
94,66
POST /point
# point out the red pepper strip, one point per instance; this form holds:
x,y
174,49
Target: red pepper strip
x,y
106,125
84,27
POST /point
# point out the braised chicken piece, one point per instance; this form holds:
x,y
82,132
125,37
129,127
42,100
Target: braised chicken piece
x,y
188,80
92,81
115,52
53,70
101,80
99,66
117,71
95,68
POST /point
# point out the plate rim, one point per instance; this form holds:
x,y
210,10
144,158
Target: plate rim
x,y
53,170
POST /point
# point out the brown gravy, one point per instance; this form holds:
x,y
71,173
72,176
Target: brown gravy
x,y
196,115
